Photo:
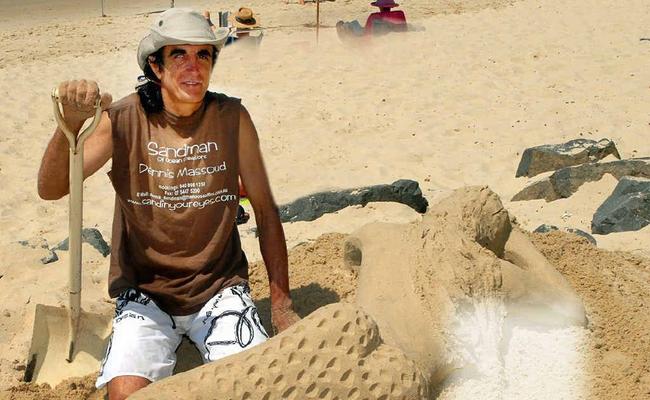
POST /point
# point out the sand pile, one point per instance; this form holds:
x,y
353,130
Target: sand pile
x,y
69,389
614,289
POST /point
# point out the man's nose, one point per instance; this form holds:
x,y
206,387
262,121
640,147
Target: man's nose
x,y
192,62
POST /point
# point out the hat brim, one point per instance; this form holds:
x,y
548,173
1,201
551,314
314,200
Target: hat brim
x,y
154,41
240,25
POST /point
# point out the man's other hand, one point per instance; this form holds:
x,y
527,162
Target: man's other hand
x,y
282,318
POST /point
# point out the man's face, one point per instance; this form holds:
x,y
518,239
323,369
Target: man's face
x,y
185,75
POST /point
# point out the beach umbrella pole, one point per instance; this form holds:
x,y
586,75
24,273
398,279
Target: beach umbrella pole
x,y
317,18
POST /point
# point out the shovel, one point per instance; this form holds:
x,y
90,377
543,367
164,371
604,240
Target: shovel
x,y
60,333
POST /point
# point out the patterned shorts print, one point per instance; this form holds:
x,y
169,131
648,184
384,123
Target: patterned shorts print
x,y
145,338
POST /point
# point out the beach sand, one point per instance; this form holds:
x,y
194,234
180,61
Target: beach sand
x,y
453,102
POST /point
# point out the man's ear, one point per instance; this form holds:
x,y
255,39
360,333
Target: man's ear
x,y
155,67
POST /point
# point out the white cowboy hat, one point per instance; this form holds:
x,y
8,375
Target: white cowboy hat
x,y
179,26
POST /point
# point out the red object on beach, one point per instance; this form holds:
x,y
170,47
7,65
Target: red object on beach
x,y
396,18
242,190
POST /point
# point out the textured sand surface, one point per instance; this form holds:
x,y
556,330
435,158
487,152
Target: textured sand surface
x,y
336,353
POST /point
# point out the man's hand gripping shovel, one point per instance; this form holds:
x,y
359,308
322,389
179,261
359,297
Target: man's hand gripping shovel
x,y
60,333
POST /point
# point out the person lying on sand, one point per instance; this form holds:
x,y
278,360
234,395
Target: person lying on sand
x,y
386,18
177,266
378,23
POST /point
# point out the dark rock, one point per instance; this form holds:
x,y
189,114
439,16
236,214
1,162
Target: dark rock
x,y
542,189
352,254
549,157
313,206
581,233
35,243
93,237
546,228
40,243
50,257
626,209
566,181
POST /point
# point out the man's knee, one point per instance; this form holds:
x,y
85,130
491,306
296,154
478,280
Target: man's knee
x,y
119,388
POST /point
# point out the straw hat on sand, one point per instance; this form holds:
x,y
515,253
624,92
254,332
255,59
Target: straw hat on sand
x,y
244,19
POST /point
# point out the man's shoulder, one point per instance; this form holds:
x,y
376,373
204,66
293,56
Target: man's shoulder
x,y
130,101
221,100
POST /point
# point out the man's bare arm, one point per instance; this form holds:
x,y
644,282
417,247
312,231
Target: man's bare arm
x,y
78,99
271,234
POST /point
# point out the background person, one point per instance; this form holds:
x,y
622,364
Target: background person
x,y
387,19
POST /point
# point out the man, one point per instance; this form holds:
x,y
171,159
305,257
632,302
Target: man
x,y
177,267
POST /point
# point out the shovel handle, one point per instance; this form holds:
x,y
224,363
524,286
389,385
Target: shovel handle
x,y
75,213
75,141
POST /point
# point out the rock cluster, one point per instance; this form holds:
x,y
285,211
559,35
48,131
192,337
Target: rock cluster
x,y
575,163
566,181
92,236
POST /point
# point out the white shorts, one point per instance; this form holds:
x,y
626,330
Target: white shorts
x,y
145,338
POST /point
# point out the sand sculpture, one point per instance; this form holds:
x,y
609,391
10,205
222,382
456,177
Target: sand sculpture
x,y
334,353
463,261
418,281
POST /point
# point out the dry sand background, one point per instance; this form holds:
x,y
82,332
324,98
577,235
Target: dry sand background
x,y
452,103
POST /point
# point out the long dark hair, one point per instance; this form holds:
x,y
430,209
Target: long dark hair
x,y
148,87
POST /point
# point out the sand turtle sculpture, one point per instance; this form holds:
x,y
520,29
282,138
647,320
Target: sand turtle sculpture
x,y
417,284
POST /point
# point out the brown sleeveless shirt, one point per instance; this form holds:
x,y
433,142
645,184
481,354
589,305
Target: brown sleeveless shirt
x,y
176,184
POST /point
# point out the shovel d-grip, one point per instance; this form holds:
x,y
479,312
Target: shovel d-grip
x,y
75,142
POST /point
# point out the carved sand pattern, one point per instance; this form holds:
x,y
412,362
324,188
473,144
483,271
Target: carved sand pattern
x,y
334,353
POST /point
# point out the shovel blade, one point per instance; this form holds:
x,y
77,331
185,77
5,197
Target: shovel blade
x,y
46,362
